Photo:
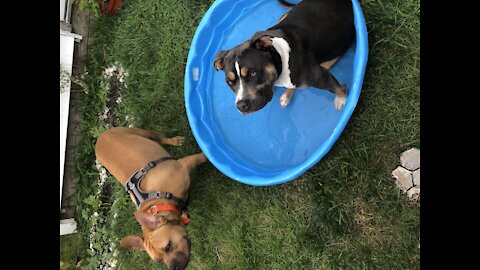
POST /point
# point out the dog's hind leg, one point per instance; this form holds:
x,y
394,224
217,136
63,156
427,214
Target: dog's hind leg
x,y
175,141
282,18
330,63
191,162
325,80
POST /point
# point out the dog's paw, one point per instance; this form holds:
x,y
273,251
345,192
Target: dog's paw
x,y
339,102
177,141
286,98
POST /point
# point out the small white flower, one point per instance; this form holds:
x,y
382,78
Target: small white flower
x,y
108,72
98,165
105,113
95,214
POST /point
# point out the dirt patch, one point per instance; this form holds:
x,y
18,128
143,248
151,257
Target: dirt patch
x,y
112,104
109,120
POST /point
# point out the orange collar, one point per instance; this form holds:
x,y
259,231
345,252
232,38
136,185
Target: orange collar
x,y
169,207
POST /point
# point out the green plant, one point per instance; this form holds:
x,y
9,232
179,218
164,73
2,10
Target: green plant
x,y
72,252
91,5
66,79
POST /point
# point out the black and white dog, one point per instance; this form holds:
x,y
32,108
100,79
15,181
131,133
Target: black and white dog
x,y
297,52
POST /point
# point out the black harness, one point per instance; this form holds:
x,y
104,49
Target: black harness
x,y
133,187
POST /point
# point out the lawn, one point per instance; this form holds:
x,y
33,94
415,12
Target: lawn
x,y
343,213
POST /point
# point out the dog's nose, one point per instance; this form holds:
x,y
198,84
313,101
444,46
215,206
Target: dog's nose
x,y
243,105
174,266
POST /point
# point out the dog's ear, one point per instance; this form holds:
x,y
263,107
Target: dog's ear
x,y
149,221
132,242
263,40
218,62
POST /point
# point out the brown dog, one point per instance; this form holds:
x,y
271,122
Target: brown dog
x,y
163,189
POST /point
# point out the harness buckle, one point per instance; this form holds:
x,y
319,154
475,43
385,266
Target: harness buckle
x,y
151,164
129,186
168,195
139,175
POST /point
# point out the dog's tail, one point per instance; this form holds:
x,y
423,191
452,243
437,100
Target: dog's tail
x,y
285,3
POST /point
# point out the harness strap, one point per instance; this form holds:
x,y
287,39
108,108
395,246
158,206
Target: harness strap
x,y
133,186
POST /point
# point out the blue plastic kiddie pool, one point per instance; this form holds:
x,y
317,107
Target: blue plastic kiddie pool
x,y
273,145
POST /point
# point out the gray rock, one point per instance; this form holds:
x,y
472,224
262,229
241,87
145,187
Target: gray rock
x,y
410,159
414,193
404,178
416,178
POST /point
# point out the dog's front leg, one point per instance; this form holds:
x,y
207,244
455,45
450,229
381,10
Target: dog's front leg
x,y
325,80
191,162
286,97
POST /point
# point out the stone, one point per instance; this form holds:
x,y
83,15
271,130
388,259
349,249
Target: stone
x,y
404,178
416,178
414,193
410,159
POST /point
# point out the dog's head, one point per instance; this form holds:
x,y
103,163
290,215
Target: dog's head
x,y
164,239
250,71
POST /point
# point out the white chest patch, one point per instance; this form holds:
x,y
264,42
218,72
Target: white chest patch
x,y
283,49
240,89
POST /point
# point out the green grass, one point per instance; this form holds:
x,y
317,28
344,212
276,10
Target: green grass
x,y
343,213
72,250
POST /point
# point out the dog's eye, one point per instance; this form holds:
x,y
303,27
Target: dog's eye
x,y
169,247
253,73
